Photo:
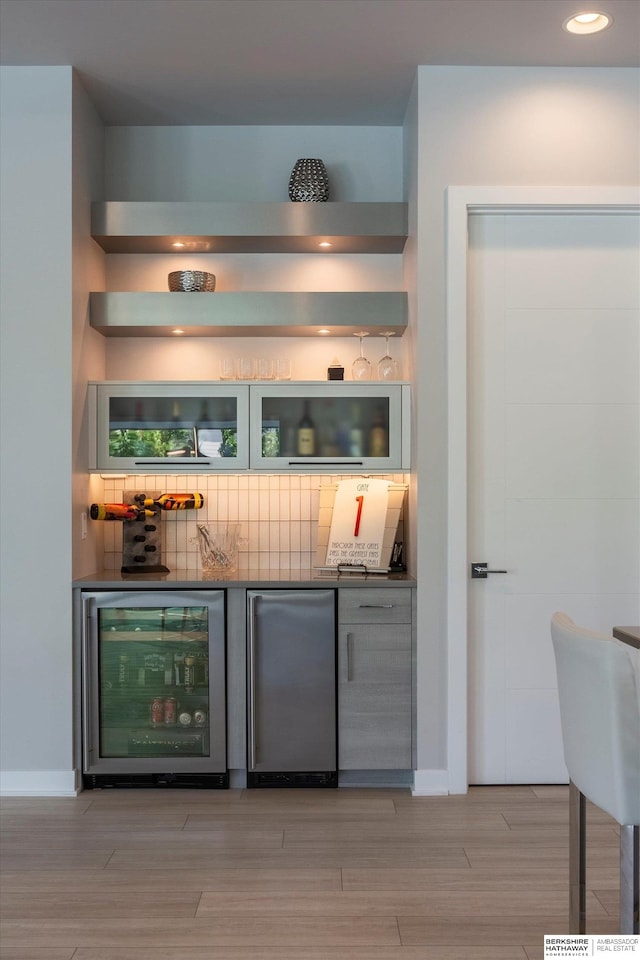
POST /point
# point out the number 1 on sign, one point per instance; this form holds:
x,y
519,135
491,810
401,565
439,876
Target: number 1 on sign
x,y
359,501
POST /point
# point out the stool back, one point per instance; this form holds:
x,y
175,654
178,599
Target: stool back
x,y
599,691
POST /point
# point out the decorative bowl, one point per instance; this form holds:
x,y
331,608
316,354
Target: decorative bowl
x,y
192,281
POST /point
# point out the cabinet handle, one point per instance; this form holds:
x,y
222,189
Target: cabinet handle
x,y
252,683
375,606
326,463
349,655
199,462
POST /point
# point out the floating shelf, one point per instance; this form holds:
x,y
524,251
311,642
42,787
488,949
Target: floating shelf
x,y
131,227
255,314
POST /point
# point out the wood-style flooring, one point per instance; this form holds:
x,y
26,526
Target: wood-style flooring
x,y
296,875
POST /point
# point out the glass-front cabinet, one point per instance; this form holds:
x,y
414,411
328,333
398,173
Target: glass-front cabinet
x,y
175,427
330,427
162,426
153,687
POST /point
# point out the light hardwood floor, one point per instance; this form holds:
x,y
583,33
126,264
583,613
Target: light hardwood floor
x,y
296,875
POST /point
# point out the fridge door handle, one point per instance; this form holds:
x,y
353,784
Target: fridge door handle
x,y
252,683
88,621
349,657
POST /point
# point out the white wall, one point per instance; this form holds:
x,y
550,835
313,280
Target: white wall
x,y
487,126
249,163
35,608
89,350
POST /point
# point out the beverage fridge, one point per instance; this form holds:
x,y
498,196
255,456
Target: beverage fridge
x,y
153,688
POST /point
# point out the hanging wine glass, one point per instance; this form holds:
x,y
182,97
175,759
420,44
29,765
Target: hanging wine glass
x,y
361,367
387,366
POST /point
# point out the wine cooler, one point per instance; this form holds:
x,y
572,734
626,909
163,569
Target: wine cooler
x,y
153,689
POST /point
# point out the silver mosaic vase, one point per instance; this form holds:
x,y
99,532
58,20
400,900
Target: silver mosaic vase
x,y
309,182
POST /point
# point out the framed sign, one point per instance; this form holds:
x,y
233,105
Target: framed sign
x,y
358,522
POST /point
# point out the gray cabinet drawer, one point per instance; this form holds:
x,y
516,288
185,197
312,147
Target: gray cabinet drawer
x,y
386,605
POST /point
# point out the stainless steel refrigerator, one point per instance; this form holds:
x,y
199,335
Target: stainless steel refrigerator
x,y
291,678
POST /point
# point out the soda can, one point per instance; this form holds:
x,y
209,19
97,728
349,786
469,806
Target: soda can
x,y
170,710
189,674
157,712
199,718
185,718
123,670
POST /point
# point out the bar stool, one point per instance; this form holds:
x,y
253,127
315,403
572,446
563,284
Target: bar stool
x,y
599,690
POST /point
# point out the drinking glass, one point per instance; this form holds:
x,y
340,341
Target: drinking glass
x,y
361,367
227,368
245,368
265,368
283,368
387,366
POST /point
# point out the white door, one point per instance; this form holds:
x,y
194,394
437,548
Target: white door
x,y
554,476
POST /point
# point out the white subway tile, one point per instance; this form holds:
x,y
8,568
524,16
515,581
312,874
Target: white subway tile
x,y
284,505
294,537
274,536
285,538
263,536
233,510
242,512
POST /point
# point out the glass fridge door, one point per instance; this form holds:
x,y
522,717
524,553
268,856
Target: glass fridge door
x,y
154,682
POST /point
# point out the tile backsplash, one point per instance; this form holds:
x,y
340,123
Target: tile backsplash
x,y
278,517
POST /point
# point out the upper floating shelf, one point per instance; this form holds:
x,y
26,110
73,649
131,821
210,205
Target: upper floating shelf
x,y
244,314
131,227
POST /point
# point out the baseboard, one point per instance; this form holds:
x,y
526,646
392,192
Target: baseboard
x,y
430,783
375,778
39,783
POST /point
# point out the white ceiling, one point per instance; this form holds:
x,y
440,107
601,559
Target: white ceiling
x,y
293,61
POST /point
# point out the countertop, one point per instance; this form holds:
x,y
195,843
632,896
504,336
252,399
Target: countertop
x,y
189,580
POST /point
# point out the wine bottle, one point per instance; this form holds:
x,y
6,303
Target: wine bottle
x,y
146,507
378,442
306,438
118,511
356,436
173,501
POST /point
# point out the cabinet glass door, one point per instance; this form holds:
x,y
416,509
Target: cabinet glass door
x,y
345,428
171,426
154,683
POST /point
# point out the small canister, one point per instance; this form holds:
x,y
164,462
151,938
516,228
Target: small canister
x,y
200,717
184,719
170,711
157,712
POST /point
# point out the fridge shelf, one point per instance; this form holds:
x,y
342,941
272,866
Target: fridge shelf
x,y
155,745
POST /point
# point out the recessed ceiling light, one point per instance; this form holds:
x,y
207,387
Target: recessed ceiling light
x,y
325,243
177,244
590,21
324,330
177,331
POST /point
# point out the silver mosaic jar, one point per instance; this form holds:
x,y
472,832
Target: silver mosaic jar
x,y
309,182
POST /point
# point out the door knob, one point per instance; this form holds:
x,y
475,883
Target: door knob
x,y
480,571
